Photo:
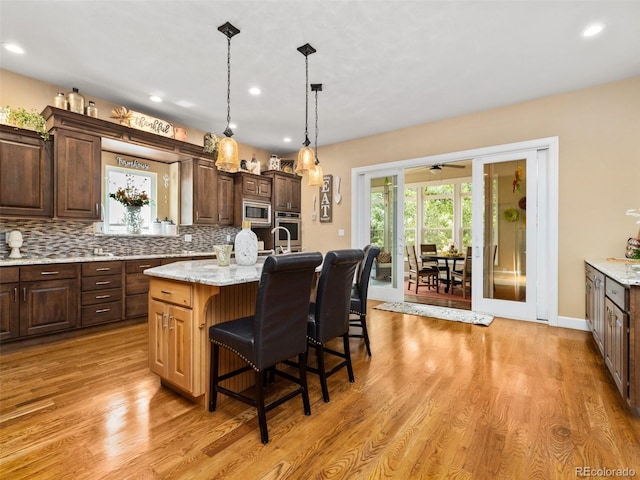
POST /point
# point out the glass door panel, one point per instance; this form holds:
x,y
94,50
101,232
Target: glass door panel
x,y
385,230
505,241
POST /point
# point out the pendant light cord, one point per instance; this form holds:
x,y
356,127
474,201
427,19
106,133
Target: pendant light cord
x,y
316,139
228,88
306,102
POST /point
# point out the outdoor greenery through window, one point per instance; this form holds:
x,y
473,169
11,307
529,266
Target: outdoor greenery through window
x,y
438,213
127,185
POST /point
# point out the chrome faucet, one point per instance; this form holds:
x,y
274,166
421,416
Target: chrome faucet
x,y
288,250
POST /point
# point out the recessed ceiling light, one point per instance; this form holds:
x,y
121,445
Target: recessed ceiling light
x,y
286,139
13,48
155,98
184,104
592,30
255,91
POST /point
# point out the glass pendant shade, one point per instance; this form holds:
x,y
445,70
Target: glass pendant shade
x,y
315,176
228,155
306,160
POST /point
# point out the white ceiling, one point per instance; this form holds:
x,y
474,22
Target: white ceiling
x,y
384,64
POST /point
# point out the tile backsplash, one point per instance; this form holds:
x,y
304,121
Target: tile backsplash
x,y
56,238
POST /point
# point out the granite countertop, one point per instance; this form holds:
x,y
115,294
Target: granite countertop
x,y
9,262
623,270
208,272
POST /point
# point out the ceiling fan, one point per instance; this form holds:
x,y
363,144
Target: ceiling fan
x,y
434,169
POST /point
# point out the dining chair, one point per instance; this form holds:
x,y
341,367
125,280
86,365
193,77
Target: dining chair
x,y
359,292
276,332
463,277
426,276
329,315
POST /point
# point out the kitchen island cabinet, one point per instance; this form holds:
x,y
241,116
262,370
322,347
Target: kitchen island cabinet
x,y
185,299
613,312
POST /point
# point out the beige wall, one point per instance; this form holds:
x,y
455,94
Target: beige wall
x,y
599,166
599,170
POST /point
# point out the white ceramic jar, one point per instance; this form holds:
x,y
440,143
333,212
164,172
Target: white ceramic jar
x,y
246,245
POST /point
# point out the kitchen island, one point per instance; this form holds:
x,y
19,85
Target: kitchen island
x,y
185,299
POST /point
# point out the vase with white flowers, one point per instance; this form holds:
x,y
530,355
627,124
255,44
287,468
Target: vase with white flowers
x,y
133,200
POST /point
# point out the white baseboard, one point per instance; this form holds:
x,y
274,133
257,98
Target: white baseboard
x,y
573,323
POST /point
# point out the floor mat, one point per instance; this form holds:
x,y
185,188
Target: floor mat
x,y
443,313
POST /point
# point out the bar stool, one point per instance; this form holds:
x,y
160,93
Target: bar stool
x,y
359,293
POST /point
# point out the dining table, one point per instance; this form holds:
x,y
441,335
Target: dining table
x,y
430,257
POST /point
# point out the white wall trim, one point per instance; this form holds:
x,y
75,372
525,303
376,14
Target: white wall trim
x,y
573,323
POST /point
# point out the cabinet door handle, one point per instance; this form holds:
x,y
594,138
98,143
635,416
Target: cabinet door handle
x,y
98,297
103,283
103,310
24,294
170,318
164,325
49,273
15,294
103,269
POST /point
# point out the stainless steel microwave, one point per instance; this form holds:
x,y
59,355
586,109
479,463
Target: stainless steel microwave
x,y
256,212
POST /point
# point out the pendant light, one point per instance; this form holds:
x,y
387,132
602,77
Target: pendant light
x,y
306,157
228,148
315,172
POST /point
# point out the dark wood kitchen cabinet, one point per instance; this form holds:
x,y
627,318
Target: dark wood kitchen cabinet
x,y
48,297
201,201
101,296
26,174
77,163
225,198
137,287
286,195
9,303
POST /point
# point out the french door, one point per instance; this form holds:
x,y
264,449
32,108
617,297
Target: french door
x,y
506,234
378,220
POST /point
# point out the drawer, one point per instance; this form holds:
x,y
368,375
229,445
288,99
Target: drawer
x,y
139,266
171,292
101,296
137,306
48,272
103,313
101,268
9,275
617,293
137,283
101,282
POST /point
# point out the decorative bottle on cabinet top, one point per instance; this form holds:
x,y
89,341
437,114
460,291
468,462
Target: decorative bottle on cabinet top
x,y
76,101
246,245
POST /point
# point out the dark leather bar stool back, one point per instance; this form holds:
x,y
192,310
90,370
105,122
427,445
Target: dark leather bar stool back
x,y
329,315
276,332
359,294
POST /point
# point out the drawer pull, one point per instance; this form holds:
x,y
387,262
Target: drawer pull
x,y
102,296
103,283
49,273
144,266
103,310
103,269
166,292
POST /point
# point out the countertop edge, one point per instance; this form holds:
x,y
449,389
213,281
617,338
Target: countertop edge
x,y
616,270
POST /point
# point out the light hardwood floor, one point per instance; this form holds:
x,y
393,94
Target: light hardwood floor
x,y
438,399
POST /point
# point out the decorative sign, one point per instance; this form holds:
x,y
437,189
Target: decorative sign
x,y
326,199
123,162
143,122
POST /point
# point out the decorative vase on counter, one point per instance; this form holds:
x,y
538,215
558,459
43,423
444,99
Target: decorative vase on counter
x,y
133,219
246,245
